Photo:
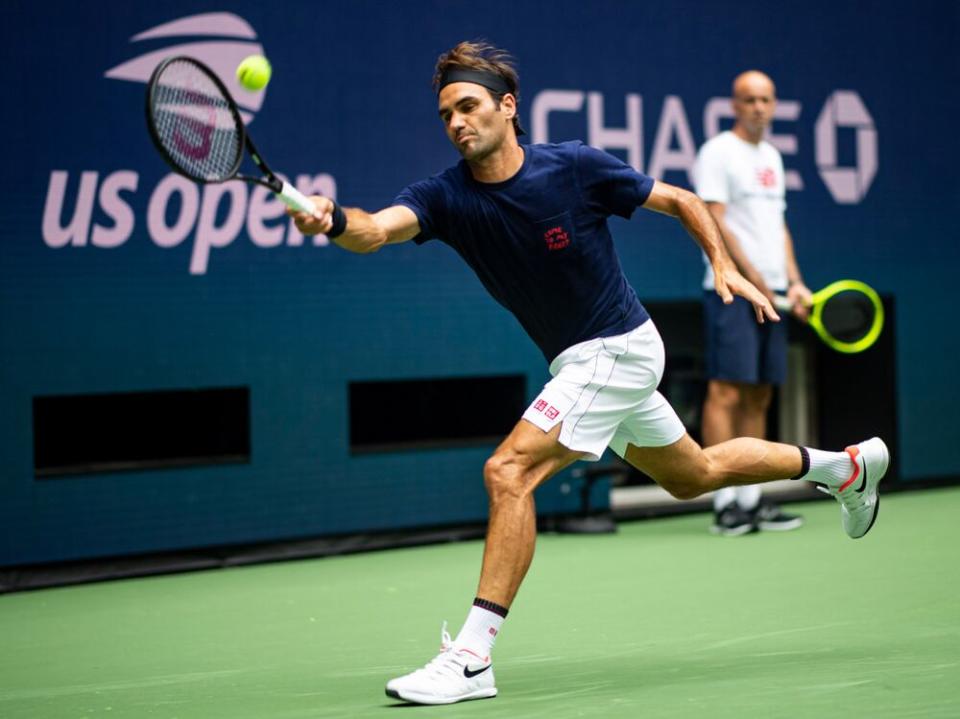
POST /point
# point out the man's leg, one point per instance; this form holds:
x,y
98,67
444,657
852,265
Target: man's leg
x,y
686,471
735,409
754,404
752,422
765,513
463,670
721,411
736,404
522,462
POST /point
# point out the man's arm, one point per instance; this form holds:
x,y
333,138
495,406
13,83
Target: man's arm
x,y
719,211
797,292
365,232
700,224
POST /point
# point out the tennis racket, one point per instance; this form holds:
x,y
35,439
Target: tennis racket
x,y
847,315
197,129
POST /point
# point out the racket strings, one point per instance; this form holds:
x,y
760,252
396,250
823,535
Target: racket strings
x,y
195,123
848,316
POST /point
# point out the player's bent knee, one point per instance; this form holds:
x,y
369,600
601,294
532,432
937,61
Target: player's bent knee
x,y
683,489
683,469
716,473
503,477
690,484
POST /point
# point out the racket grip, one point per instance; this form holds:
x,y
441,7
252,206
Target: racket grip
x,y
782,303
295,199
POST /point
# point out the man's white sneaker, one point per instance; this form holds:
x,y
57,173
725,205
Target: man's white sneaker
x,y
859,501
455,675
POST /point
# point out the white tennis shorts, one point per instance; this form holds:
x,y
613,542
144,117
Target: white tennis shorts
x,y
604,391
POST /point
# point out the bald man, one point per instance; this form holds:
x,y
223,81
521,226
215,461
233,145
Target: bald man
x,y
740,177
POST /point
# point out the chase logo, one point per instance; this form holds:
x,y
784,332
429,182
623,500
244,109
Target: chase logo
x,y
674,148
845,109
222,55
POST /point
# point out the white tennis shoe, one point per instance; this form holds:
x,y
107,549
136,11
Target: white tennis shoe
x,y
858,497
456,674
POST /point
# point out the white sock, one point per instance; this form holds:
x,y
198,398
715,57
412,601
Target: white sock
x,y
748,496
724,497
829,468
480,631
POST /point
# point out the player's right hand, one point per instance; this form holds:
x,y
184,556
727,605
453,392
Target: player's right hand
x,y
317,223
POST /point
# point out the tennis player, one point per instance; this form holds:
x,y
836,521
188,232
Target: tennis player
x,y
531,221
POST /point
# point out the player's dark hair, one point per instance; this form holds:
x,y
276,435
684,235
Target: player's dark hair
x,y
481,55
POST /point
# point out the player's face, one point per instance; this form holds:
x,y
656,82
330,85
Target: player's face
x,y
754,100
472,120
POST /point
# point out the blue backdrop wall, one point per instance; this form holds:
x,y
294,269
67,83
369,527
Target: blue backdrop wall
x,y
117,276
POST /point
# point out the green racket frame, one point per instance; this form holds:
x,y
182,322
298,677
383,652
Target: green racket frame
x,y
834,288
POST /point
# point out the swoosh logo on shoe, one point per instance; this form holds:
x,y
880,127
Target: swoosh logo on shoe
x,y
853,452
469,674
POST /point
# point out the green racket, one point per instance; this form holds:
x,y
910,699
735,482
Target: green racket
x,y
847,315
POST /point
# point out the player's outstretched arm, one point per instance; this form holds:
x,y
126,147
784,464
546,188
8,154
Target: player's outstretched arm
x,y
700,224
359,231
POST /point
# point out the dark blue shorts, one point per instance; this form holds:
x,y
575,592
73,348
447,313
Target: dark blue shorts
x,y
739,349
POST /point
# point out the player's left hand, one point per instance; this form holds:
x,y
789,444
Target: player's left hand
x,y
800,300
729,282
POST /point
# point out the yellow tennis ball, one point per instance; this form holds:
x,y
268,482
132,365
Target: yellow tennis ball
x,y
254,72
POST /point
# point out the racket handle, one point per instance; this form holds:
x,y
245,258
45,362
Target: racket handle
x,y
782,303
295,199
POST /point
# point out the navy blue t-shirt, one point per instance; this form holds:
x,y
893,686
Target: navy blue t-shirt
x,y
539,241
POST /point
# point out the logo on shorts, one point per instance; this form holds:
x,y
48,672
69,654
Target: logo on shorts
x,y
556,238
540,405
552,413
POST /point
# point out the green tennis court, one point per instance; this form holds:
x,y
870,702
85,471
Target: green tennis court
x,y
661,620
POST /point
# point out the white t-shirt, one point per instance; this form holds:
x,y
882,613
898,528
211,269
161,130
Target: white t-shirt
x,y
748,179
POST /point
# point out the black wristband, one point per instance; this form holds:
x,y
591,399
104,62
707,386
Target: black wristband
x,y
339,221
